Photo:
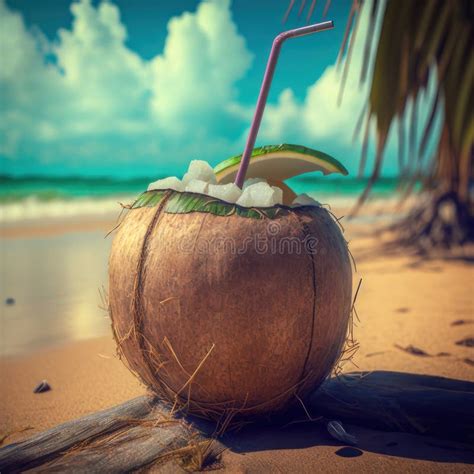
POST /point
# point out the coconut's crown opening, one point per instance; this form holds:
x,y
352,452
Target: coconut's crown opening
x,y
183,202
265,185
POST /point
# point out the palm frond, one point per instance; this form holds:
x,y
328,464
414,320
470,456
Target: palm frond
x,y
311,10
300,11
419,39
369,41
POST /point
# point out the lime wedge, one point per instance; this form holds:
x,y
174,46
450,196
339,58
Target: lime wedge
x,y
279,162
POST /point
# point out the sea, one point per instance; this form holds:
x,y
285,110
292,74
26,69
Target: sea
x,y
38,197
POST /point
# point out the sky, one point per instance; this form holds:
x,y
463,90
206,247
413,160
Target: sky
x,y
139,88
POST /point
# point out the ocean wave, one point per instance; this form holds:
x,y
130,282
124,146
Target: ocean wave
x,y
32,208
43,195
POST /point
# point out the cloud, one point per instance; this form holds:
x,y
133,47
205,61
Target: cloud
x,y
25,83
318,116
91,101
106,83
194,77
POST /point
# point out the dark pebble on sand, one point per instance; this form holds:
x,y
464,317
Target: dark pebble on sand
x,y
43,386
348,452
10,301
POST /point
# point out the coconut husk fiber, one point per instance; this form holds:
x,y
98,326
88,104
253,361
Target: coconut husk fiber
x,y
216,322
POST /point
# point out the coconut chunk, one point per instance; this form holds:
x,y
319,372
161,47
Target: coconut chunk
x,y
260,195
197,186
304,200
277,195
200,170
167,183
227,192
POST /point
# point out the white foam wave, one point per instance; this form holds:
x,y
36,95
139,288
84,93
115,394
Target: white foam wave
x,y
33,209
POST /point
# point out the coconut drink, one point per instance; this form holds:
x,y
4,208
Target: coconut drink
x,y
232,296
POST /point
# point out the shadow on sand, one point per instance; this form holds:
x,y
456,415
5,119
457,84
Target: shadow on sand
x,y
391,413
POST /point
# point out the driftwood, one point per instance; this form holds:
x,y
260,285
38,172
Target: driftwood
x,y
142,431
119,439
394,401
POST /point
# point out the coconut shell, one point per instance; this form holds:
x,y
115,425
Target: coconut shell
x,y
239,313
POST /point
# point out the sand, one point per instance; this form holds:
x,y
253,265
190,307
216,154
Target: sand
x,y
403,302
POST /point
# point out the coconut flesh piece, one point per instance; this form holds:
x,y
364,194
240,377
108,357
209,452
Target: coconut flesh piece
x,y
200,170
260,195
167,183
197,186
226,192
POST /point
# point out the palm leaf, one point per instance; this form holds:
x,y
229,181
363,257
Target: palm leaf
x,y
311,10
368,41
349,54
418,39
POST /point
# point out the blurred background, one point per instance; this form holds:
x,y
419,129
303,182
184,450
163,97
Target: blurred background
x,y
100,98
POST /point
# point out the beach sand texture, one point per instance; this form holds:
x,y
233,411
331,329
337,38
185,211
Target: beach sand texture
x,y
403,302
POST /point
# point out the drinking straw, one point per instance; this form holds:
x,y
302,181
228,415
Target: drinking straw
x,y
265,88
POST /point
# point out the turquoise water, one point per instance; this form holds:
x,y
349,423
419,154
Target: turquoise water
x,y
56,189
53,188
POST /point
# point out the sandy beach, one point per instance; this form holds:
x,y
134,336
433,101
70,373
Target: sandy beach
x,y
405,305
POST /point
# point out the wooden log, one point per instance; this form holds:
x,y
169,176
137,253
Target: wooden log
x,y
117,439
132,435
129,449
394,401
49,444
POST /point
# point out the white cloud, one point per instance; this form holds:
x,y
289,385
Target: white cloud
x,y
25,84
99,102
106,83
203,58
318,117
